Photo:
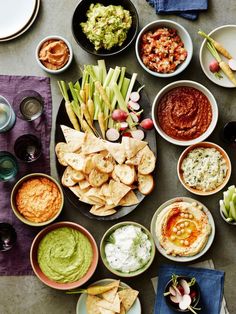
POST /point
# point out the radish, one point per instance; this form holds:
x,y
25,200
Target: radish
x,y
119,115
214,66
185,302
127,134
133,105
138,134
147,124
185,286
135,117
232,64
135,96
112,135
172,291
123,126
176,299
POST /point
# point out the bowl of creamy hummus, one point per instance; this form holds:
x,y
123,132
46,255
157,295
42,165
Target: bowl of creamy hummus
x,y
127,249
54,54
37,199
64,255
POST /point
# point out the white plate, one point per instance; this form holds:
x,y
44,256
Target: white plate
x,y
26,27
14,15
226,35
81,304
182,258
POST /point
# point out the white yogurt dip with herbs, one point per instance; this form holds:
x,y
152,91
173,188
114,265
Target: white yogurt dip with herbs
x,y
128,249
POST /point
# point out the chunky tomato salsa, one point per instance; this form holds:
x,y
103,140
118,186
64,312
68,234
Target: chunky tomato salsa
x,y
184,113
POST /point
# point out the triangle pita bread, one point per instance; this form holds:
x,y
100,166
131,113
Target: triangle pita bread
x,y
110,294
91,304
114,306
132,146
117,191
105,311
117,151
128,297
92,144
129,199
73,137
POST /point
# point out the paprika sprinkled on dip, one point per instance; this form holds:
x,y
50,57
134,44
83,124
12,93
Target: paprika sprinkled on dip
x,y
184,113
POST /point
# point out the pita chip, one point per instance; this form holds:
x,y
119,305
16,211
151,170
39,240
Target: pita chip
x,y
105,311
104,210
114,306
110,294
128,297
92,144
73,137
117,151
91,304
129,199
132,146
117,191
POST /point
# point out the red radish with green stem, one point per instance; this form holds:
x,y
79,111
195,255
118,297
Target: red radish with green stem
x,y
135,96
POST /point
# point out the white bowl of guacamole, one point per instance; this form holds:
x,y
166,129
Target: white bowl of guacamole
x,y
64,255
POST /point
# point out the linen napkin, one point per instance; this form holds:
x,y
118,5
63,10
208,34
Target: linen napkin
x,y
211,284
188,9
16,261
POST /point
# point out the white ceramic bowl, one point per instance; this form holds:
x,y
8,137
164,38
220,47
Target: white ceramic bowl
x,y
41,64
184,35
201,88
204,145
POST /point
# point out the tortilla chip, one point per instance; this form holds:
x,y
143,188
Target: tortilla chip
x,y
117,191
117,151
110,294
129,199
92,144
132,146
128,297
114,306
73,137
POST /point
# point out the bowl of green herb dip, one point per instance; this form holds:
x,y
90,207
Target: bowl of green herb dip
x,y
64,255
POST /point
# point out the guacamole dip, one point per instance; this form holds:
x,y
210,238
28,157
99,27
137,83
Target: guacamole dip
x,y
65,255
107,26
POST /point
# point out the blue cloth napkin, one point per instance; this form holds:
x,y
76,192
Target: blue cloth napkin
x,y
211,283
188,9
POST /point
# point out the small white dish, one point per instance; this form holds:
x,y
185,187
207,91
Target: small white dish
x,y
184,35
41,64
225,35
182,258
15,15
81,304
201,88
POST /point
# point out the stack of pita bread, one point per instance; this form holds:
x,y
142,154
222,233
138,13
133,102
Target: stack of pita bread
x,y
105,174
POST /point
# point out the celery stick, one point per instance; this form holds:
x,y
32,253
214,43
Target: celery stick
x,y
108,77
226,199
84,78
131,85
97,104
77,86
98,72
223,209
73,93
102,66
90,70
106,108
63,89
122,105
78,96
125,86
232,210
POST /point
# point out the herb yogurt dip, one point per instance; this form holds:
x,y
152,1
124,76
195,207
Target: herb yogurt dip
x,y
107,26
204,169
128,249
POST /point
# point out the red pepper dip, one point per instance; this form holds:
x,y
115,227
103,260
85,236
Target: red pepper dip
x,y
184,113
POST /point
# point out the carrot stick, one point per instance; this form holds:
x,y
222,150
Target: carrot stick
x,y
72,116
103,94
83,95
91,109
86,89
216,44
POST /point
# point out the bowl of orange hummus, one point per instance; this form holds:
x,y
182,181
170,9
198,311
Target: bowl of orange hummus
x,y
54,54
37,199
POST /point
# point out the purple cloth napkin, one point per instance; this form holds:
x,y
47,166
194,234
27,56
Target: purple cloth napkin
x,y
16,261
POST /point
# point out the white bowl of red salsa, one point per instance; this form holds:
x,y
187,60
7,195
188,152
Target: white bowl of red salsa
x,y
164,48
184,113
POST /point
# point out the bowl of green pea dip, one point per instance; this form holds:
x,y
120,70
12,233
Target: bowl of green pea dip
x,y
105,27
64,255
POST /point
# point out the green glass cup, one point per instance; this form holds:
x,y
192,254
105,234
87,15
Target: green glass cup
x,y
8,166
